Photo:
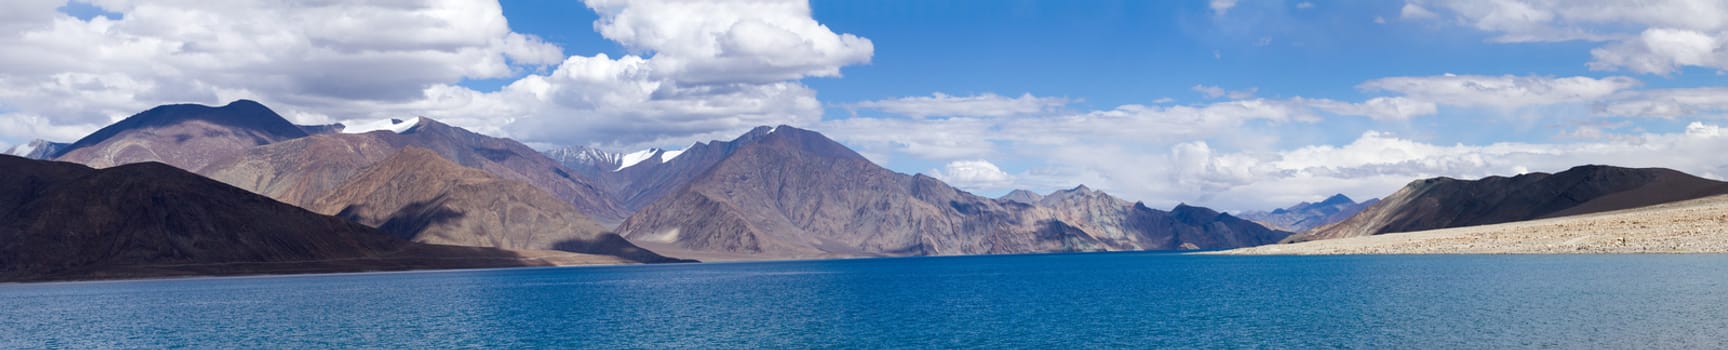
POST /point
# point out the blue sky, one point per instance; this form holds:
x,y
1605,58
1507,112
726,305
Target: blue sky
x,y
1237,105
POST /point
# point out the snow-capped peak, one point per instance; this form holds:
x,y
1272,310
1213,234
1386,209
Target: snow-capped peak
x,y
636,157
393,125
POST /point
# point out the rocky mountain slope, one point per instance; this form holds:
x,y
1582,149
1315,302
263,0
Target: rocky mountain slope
x,y
187,136
67,221
788,192
1445,202
418,195
1133,226
1304,216
302,170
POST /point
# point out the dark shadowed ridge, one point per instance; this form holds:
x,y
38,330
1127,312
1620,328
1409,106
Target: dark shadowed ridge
x,y
242,114
62,221
1445,202
187,136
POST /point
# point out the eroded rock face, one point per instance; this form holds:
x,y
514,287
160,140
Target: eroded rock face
x,y
302,170
420,196
187,136
788,192
1445,202
1305,216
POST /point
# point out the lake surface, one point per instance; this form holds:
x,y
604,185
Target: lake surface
x,y
1109,300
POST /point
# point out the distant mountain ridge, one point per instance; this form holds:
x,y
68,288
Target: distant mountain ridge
x,y
1305,216
420,196
788,192
1445,202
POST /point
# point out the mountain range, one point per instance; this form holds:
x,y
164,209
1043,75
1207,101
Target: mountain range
x,y
785,192
420,186
1304,216
514,199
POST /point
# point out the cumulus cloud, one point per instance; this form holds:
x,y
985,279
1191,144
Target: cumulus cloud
x,y
982,105
730,41
698,71
317,56
1655,37
973,175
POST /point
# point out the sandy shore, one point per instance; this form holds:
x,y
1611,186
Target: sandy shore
x,y
1693,226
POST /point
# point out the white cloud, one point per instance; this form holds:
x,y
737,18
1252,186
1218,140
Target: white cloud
x,y
1216,92
1414,11
1385,108
1208,91
315,56
1667,102
1506,91
963,138
730,41
935,139
1655,37
973,175
1304,5
1221,6
983,105
1662,51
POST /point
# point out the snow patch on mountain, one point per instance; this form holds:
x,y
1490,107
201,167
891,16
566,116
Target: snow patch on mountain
x,y
637,157
669,155
392,125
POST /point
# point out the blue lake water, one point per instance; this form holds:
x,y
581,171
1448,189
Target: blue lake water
x,y
1110,300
